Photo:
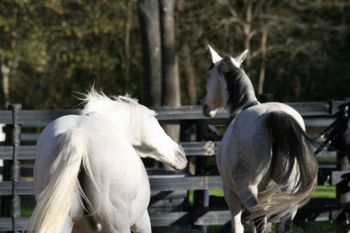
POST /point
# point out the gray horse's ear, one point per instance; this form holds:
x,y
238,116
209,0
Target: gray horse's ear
x,y
215,57
240,58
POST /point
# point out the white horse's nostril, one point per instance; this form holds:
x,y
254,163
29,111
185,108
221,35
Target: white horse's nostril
x,y
181,159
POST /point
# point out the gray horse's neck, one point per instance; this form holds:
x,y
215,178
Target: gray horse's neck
x,y
240,90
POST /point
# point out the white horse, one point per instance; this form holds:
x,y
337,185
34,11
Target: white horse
x,y
90,165
264,157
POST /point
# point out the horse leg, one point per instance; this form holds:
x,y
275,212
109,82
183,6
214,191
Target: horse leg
x,y
286,226
235,206
68,226
114,220
119,225
261,225
143,225
119,228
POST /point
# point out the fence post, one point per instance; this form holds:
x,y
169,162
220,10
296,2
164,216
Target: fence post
x,y
12,204
201,197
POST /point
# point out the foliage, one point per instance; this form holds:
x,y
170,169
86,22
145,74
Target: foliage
x,y
55,48
62,47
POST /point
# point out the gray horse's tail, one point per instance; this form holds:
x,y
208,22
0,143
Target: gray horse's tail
x,y
293,168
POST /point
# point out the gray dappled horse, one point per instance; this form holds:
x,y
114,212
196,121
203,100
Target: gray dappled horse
x,y
264,157
89,166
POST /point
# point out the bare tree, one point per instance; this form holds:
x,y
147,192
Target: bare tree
x,y
254,18
5,84
171,87
151,45
170,71
161,81
189,73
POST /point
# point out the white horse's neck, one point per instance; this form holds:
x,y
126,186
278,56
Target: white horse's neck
x,y
118,112
138,125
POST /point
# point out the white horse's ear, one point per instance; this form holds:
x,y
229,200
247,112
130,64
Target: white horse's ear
x,y
240,58
215,57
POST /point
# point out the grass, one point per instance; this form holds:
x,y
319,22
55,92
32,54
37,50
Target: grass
x,y
324,192
27,210
320,192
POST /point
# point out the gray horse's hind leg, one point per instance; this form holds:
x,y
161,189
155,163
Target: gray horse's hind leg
x,y
235,207
143,225
261,226
286,225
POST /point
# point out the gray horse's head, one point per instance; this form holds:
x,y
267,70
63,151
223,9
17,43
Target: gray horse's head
x,y
228,84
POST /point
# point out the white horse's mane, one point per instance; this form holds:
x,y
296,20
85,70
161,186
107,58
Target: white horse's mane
x,y
96,100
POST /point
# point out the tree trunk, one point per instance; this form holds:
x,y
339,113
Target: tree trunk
x,y
148,11
5,83
170,74
263,61
189,75
247,29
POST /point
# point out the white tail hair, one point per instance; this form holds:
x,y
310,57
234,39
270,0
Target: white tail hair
x,y
55,202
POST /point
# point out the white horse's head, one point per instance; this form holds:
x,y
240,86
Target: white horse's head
x,y
139,125
217,94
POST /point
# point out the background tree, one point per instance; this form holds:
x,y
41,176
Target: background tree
x,y
299,50
170,73
161,66
151,46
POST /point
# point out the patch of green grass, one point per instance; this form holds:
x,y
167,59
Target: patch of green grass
x,y
327,160
324,192
27,210
216,192
320,192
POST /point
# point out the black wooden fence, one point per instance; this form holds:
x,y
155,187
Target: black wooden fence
x,y
170,209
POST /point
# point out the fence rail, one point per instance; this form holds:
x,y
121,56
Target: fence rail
x,y
316,114
169,114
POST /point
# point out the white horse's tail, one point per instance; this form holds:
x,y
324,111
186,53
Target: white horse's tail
x,y
55,203
290,151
